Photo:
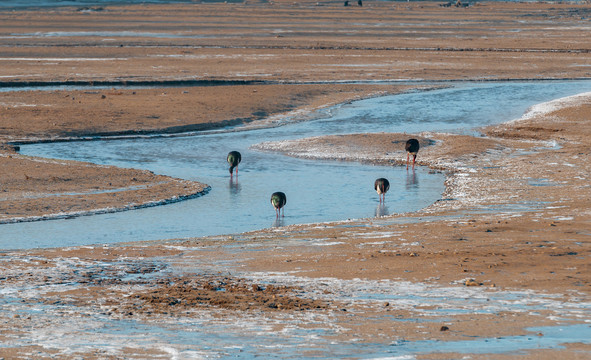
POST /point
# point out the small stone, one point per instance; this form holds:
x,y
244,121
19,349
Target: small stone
x,y
444,328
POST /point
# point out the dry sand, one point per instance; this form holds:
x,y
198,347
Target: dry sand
x,y
515,217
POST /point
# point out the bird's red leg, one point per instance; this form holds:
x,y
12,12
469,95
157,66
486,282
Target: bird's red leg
x,y
414,159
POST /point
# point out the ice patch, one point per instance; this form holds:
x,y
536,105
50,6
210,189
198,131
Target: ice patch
x,y
377,234
553,105
327,243
69,328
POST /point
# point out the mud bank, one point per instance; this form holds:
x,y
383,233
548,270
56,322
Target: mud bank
x,y
503,258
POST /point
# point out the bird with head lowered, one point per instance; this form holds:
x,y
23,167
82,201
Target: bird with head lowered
x,y
234,158
278,200
412,148
381,186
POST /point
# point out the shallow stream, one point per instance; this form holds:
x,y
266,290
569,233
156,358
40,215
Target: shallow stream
x,y
317,191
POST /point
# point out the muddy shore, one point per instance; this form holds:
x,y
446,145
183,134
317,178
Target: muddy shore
x,y
479,241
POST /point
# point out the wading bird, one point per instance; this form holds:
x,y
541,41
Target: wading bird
x,y
381,186
412,148
234,159
278,199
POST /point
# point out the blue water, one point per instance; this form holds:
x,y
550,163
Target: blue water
x,y
230,342
317,191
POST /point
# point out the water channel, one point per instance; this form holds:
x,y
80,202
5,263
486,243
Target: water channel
x,y
317,191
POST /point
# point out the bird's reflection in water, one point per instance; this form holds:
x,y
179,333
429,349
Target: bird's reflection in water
x,y
279,222
382,210
234,186
412,180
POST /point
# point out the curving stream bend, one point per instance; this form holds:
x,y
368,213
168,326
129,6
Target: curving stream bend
x,y
317,191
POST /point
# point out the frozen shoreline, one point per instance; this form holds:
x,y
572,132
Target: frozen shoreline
x,y
488,268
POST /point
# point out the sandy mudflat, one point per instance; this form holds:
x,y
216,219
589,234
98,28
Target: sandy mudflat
x,y
236,64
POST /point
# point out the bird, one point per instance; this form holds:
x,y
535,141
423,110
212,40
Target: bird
x,y
381,186
278,200
412,148
234,159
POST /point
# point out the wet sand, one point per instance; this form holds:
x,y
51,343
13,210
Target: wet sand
x,y
514,217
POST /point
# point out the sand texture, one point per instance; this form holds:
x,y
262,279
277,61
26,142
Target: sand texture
x,y
505,250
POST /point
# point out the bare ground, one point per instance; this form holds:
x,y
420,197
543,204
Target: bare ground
x,y
514,217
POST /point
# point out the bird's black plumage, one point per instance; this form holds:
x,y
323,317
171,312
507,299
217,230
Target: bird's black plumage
x,y
412,148
278,200
381,186
234,158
